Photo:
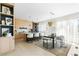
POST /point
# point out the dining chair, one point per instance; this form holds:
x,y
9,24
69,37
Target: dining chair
x,y
47,42
59,41
41,35
30,37
36,36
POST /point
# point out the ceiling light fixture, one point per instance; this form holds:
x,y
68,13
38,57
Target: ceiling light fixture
x,y
51,13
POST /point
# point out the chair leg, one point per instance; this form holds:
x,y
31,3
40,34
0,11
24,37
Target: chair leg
x,y
30,40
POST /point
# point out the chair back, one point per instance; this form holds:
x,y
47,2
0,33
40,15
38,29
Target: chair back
x,y
30,35
41,34
36,35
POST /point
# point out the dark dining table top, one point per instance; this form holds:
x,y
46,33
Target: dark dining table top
x,y
48,36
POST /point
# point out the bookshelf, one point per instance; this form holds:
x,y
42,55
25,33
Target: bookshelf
x,y
7,42
6,19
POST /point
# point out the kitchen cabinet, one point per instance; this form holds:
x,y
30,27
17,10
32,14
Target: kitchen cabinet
x,y
20,37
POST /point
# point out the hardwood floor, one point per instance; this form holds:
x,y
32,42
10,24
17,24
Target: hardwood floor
x,y
28,49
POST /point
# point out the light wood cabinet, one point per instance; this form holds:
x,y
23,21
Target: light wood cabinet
x,y
20,37
6,44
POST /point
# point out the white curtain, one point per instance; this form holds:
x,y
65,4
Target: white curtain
x,y
68,29
42,27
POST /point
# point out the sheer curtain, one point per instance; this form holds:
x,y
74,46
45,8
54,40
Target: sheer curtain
x,y
68,29
42,26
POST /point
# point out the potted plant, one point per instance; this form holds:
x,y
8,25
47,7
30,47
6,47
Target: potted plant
x,y
5,34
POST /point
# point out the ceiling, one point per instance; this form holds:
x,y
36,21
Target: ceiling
x,y
43,11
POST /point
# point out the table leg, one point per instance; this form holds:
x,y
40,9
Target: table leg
x,y
53,43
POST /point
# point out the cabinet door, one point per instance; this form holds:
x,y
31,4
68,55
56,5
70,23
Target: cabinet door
x,y
20,37
4,45
11,44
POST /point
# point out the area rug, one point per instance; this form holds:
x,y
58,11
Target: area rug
x,y
57,51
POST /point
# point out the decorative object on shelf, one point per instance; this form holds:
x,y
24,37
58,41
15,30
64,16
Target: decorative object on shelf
x,y
76,47
9,35
75,54
5,31
4,34
5,10
3,22
8,21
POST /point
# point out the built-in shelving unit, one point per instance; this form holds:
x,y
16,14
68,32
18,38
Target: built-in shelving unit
x,y
6,19
7,42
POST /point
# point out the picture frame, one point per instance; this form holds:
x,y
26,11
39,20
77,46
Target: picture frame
x,y
8,21
5,10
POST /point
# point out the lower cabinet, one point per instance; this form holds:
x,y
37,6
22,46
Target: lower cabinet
x,y
6,44
11,44
20,37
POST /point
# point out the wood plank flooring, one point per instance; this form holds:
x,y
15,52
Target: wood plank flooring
x,y
28,49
